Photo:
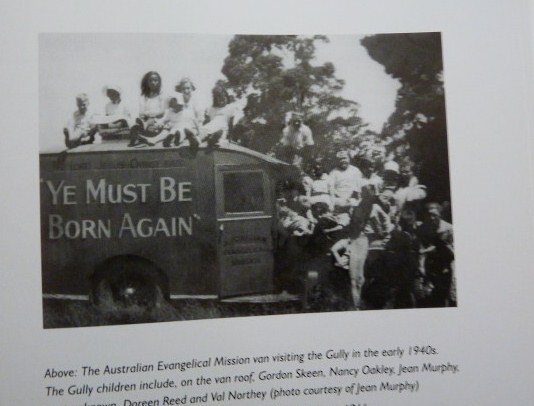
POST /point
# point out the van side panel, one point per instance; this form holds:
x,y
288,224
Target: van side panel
x,y
149,203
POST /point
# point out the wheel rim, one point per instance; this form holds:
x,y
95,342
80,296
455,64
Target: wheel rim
x,y
133,290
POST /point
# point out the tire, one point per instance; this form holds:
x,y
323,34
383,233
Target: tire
x,y
126,283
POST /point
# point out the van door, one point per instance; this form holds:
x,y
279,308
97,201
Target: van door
x,y
244,226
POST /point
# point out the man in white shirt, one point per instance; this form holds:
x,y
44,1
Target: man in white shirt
x,y
296,137
345,180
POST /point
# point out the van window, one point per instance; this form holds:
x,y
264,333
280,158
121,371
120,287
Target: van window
x,y
243,192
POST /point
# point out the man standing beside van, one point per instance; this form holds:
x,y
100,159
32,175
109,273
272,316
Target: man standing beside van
x,y
345,181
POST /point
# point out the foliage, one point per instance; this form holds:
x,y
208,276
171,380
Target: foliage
x,y
418,124
276,74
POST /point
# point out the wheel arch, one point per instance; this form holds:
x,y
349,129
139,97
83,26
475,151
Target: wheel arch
x,y
120,262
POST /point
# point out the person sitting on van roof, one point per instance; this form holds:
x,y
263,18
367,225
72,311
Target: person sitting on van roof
x,y
116,122
175,126
152,106
219,119
191,107
80,128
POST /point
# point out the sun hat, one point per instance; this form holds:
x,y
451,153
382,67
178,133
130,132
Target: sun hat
x,y
112,87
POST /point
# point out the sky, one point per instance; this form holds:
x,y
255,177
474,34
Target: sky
x,y
70,64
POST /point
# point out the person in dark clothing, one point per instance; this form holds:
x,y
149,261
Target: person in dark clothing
x,y
438,254
402,261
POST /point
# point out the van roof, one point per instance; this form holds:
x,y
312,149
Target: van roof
x,y
120,145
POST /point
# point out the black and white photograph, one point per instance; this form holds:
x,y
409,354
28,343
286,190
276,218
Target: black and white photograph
x,y
196,176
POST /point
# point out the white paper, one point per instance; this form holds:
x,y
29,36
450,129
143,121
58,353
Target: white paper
x,y
486,49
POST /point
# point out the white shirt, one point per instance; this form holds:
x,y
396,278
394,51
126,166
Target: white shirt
x,y
297,138
222,115
114,112
152,106
219,119
193,111
80,124
375,181
182,119
343,183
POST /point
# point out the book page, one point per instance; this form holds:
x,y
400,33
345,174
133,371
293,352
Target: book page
x,y
280,203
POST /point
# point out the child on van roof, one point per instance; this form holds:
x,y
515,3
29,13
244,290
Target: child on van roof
x,y
116,122
152,105
175,126
80,128
219,118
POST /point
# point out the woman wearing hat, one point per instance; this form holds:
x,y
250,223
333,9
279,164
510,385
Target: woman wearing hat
x,y
116,122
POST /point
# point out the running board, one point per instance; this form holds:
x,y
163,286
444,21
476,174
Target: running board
x,y
269,298
263,298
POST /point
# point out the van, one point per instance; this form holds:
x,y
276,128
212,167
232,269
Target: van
x,y
133,226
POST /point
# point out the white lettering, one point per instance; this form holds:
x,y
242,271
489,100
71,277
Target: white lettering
x,y
148,232
161,226
127,225
97,194
170,190
55,229
72,229
184,192
167,192
69,192
183,225
107,193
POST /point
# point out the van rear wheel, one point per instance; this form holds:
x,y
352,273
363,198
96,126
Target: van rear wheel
x,y
128,284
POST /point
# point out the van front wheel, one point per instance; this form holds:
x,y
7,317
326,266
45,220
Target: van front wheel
x,y
128,285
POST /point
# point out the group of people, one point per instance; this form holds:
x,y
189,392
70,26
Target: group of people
x,y
368,217
168,120
368,222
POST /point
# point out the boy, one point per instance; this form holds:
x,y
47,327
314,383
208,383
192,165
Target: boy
x,y
80,129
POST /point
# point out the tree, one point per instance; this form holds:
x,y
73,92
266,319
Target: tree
x,y
277,74
418,124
